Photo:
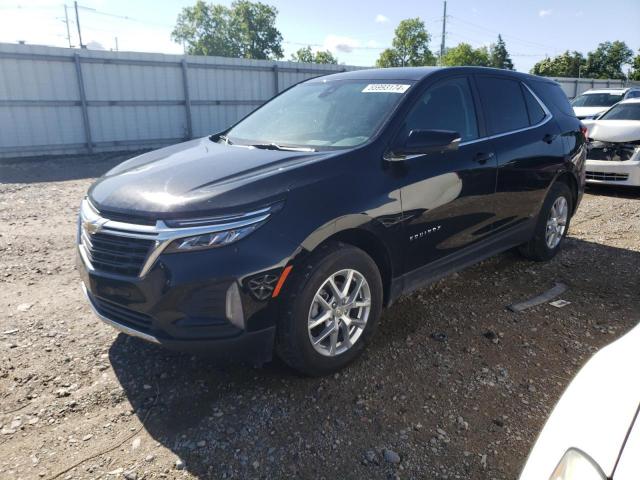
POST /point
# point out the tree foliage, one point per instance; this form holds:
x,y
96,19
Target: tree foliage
x,y
465,54
499,56
308,56
410,46
567,64
245,30
634,73
606,61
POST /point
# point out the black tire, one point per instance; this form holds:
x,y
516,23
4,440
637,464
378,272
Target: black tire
x,y
293,344
537,249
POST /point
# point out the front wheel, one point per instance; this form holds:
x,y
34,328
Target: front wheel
x,y
552,226
330,311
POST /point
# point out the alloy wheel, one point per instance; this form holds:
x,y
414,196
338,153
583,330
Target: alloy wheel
x,y
339,312
557,222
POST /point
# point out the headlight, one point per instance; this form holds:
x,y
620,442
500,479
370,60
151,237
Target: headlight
x,y
211,240
577,465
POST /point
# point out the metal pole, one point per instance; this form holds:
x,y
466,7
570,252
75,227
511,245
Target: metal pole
x,y
83,104
75,4
276,79
187,99
444,30
66,22
116,44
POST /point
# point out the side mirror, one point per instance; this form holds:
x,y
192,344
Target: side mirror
x,y
420,142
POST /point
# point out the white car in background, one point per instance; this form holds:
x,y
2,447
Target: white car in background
x,y
593,432
613,157
593,102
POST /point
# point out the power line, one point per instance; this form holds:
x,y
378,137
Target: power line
x,y
512,37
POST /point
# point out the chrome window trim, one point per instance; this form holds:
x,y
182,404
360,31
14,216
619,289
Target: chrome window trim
x,y
161,233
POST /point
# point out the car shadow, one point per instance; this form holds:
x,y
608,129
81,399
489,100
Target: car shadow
x,y
60,168
234,421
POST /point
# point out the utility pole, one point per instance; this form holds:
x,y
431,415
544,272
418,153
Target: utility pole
x,y
444,31
116,38
75,4
66,22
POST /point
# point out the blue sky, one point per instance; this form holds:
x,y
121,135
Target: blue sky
x,y
356,31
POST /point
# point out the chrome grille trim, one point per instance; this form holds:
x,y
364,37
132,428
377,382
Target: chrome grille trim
x,y
160,233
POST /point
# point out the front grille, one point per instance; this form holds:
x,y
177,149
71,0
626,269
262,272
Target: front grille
x,y
123,315
607,176
116,254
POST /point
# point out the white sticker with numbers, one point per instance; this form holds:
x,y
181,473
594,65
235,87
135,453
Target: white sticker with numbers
x,y
385,88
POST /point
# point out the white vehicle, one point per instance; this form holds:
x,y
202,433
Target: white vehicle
x,y
593,102
593,432
613,157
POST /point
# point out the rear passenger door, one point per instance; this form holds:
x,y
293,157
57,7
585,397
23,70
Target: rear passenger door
x,y
528,146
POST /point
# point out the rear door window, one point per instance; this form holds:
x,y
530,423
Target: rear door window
x,y
503,103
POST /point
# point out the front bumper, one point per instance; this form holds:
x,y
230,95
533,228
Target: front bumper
x,y
609,172
253,347
213,301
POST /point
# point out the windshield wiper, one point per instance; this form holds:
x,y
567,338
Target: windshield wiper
x,y
275,146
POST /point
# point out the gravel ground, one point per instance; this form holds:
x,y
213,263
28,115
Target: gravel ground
x,y
453,386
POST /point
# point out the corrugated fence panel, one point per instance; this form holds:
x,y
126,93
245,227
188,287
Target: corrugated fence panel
x,y
59,100
131,100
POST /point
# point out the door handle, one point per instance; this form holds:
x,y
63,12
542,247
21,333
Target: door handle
x,y
483,158
549,138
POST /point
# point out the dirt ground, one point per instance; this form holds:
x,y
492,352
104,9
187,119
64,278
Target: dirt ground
x,y
77,400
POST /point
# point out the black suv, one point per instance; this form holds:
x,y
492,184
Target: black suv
x,y
292,229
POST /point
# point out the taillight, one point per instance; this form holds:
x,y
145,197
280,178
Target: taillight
x,y
583,129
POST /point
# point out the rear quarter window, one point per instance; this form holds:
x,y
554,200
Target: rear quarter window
x,y
553,96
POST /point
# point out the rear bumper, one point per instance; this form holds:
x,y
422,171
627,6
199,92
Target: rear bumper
x,y
251,347
614,173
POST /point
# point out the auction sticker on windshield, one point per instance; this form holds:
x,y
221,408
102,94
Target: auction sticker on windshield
x,y
385,88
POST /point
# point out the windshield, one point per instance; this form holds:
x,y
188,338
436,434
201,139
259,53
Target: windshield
x,y
321,115
624,111
597,100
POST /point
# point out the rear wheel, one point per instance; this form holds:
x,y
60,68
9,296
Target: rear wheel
x,y
552,226
330,311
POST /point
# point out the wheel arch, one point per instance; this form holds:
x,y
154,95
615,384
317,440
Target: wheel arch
x,y
366,241
569,179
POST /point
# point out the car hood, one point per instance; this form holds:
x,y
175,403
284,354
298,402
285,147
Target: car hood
x,y
614,131
200,177
595,412
588,111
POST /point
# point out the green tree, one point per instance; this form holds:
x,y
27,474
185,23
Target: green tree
x,y
607,60
308,56
634,73
499,56
410,46
246,30
567,64
465,54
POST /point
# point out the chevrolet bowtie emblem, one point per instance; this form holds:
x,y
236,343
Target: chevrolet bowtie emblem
x,y
94,226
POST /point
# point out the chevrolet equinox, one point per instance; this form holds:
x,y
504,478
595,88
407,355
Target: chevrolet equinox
x,y
292,229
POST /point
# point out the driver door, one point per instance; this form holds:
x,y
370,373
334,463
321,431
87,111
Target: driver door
x,y
449,195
